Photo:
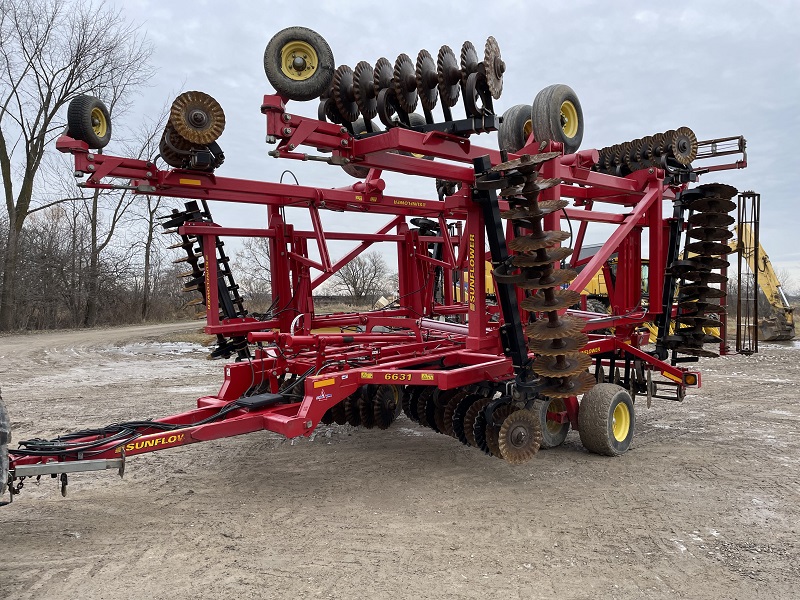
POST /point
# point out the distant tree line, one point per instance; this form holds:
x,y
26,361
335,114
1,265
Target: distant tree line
x,y
77,257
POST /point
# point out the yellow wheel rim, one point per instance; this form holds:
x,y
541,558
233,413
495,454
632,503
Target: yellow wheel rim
x,y
298,60
556,405
527,129
99,122
621,422
569,119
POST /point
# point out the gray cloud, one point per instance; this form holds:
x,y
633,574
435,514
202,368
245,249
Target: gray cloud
x,y
721,68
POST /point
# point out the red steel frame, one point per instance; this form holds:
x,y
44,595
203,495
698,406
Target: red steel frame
x,y
420,350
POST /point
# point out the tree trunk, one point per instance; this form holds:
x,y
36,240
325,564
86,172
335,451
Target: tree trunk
x,y
146,283
8,293
93,289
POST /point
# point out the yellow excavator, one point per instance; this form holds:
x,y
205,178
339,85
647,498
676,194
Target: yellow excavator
x,y
780,325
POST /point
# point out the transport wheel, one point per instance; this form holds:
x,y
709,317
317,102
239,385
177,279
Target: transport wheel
x,y
299,63
88,120
354,170
606,418
557,116
553,432
5,440
515,128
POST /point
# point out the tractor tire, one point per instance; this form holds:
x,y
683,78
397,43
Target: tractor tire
x,y
88,120
597,306
606,418
556,115
354,170
553,432
515,128
299,63
5,440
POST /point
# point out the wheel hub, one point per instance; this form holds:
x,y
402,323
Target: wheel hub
x,y
298,60
198,118
519,436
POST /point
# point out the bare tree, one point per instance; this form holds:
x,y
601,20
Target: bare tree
x,y
253,272
51,51
363,278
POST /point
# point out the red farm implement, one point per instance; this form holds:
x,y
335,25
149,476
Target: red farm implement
x,y
502,373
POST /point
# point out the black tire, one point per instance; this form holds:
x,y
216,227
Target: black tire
x,y
553,433
596,305
416,120
602,430
546,114
515,128
88,120
313,85
5,440
354,170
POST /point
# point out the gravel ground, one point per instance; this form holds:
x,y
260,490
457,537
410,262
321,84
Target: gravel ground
x,y
706,504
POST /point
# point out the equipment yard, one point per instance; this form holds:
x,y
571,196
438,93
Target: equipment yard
x,y
706,504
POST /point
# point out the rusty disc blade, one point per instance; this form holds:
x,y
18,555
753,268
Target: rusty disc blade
x,y
710,219
534,213
520,437
552,347
709,248
197,117
568,386
552,255
700,308
713,204
680,267
705,277
555,366
698,292
529,243
492,433
364,90
701,352
695,321
712,262
710,234
558,278
567,326
720,190
469,420
449,410
526,163
449,76
562,299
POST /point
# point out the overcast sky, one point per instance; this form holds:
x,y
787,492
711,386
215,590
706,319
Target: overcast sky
x,y
720,67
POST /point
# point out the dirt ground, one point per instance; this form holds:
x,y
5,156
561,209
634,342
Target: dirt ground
x,y
706,504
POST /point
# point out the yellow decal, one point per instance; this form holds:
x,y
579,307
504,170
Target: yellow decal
x,y
471,278
190,182
324,382
409,203
397,376
166,440
427,377
360,198
590,350
671,376
373,198
366,376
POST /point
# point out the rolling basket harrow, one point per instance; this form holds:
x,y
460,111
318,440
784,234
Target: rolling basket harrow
x,y
501,374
